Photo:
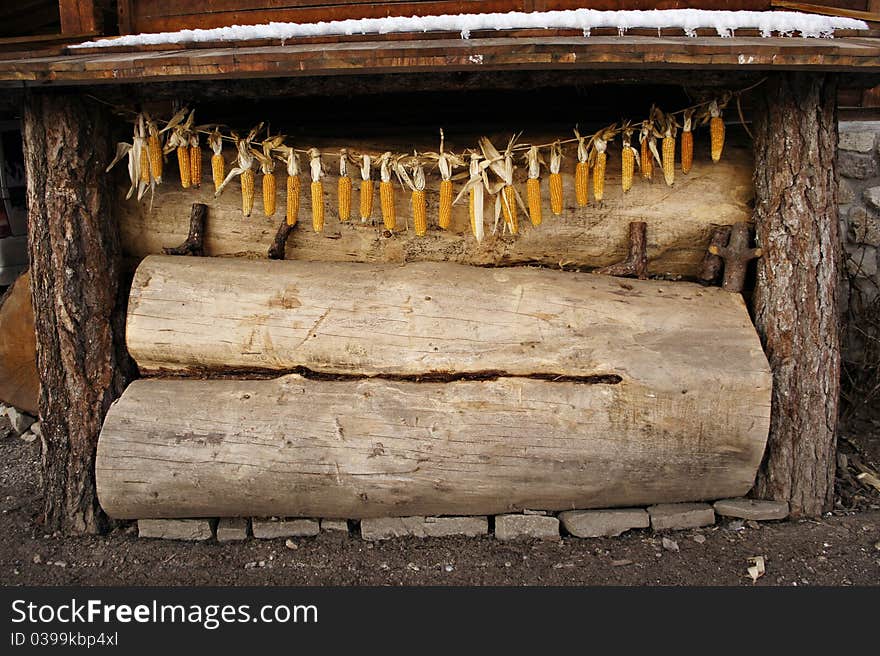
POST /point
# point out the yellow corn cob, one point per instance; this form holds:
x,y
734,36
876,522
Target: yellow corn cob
x,y
318,206
386,196
533,189
471,202
269,194
155,153
218,170
293,190
669,159
247,192
195,165
508,206
183,165
556,193
627,167
145,164
599,176
445,218
344,198
420,212
581,182
687,151
366,196
646,160
716,130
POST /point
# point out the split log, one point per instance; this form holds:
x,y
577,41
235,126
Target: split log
x,y
195,241
682,220
712,265
796,292
636,263
79,307
736,256
370,447
19,383
216,315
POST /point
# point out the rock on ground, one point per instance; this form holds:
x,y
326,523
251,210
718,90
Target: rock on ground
x,y
232,528
681,515
20,421
384,528
519,527
267,529
334,525
755,509
603,523
175,529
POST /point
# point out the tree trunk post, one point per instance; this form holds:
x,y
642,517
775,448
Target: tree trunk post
x,y
79,308
796,296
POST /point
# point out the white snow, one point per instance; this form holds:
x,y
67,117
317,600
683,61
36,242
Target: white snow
x,y
725,23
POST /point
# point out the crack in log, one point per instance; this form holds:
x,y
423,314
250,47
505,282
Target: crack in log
x,y
205,373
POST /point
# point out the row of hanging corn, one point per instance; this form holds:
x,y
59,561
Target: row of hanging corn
x,y
146,152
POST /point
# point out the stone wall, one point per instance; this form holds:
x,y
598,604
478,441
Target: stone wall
x,y
859,170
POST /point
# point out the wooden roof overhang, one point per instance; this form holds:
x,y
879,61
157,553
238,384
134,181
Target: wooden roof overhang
x,y
421,53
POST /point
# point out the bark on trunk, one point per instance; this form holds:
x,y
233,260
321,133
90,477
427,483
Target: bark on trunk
x,y
78,305
796,297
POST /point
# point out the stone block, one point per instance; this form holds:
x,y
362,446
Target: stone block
x,y
340,525
755,509
384,528
175,529
603,523
858,166
864,226
859,141
522,527
681,515
230,529
271,528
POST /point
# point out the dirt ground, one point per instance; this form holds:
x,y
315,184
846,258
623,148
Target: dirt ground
x,y
842,549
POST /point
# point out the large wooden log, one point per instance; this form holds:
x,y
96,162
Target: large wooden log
x,y
680,221
371,447
796,296
204,315
78,303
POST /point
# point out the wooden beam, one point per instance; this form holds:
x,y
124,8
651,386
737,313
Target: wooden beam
x,y
796,296
870,16
79,317
80,16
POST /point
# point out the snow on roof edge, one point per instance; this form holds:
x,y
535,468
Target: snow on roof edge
x,y
725,23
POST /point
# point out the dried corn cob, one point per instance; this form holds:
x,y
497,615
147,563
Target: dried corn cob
x,y
582,172
218,165
420,214
154,150
317,190
446,162
716,130
247,191
343,187
183,165
668,127
267,166
293,186
506,201
386,193
533,185
366,192
474,188
687,142
195,160
646,161
134,152
181,129
599,160
244,169
556,199
144,164
628,158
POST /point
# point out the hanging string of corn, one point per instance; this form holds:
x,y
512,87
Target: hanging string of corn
x,y
533,185
599,158
195,160
716,130
506,201
293,186
646,140
366,192
218,164
244,168
386,192
582,171
628,158
343,187
474,188
556,197
267,167
687,142
317,173
446,162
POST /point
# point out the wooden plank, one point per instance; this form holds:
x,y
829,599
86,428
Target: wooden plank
x,y
19,384
827,11
367,448
79,16
197,315
680,219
